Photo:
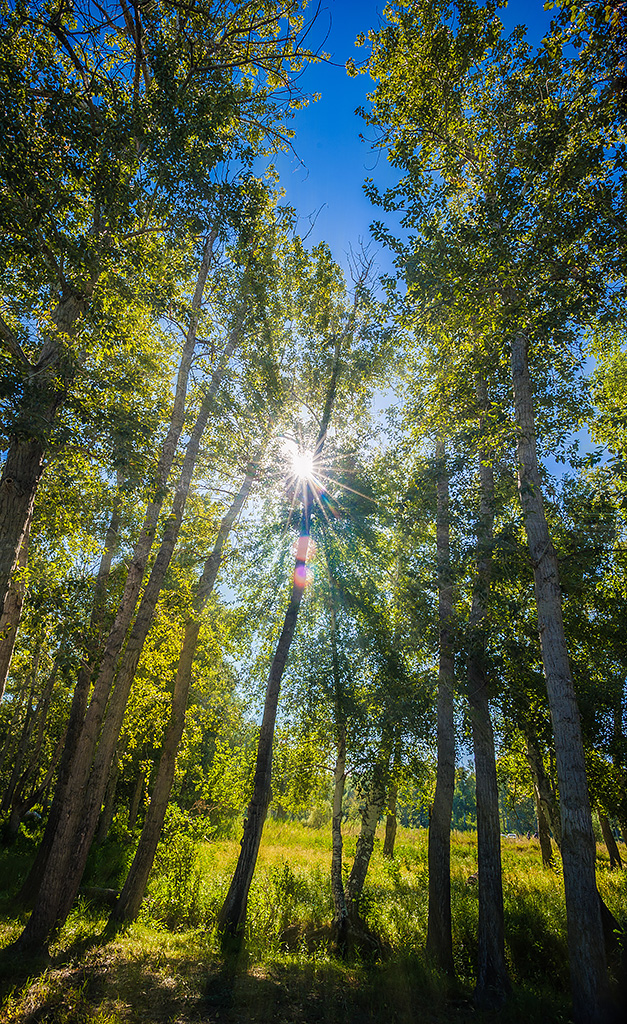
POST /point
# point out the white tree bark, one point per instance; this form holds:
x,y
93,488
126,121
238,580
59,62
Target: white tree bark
x,y
585,933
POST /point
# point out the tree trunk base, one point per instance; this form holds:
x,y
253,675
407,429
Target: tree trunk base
x,y
338,945
361,941
492,995
19,958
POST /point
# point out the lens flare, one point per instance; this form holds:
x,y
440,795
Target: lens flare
x,y
303,465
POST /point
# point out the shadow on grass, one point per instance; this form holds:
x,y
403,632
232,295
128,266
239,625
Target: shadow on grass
x,y
332,992
395,992
124,981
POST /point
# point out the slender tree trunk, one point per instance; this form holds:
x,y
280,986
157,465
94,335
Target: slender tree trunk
x,y
339,927
544,832
24,740
138,792
10,618
340,910
108,808
621,810
99,603
390,821
233,914
542,786
439,929
585,933
371,812
493,985
128,904
610,842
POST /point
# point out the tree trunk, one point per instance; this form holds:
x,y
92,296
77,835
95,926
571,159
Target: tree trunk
x,y
233,913
108,808
339,927
83,795
138,792
371,812
128,904
439,929
493,985
78,707
10,618
621,810
45,390
390,821
544,832
542,787
20,479
610,842
585,933
340,911
129,901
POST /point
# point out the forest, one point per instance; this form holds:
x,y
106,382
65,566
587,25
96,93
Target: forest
x,y
313,698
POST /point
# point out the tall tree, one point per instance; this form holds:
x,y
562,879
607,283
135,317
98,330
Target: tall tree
x,y
515,217
492,979
439,928
331,330
233,913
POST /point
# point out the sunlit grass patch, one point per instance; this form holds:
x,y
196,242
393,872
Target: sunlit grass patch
x,y
57,997
160,967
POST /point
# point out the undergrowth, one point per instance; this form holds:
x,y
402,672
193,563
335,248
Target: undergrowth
x,y
166,959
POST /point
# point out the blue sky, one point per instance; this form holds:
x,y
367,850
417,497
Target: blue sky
x,y
327,177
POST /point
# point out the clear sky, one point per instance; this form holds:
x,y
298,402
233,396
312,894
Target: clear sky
x,y
332,163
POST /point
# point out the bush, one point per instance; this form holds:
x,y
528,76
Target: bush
x,y
177,895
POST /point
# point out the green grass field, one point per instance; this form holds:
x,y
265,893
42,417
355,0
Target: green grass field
x,y
168,966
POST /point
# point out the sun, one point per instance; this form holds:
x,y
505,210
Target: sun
x,y
303,466
301,462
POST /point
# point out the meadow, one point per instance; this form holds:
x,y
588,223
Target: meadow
x,y
169,966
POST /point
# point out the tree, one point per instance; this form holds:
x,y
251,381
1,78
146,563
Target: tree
x,y
233,913
100,170
511,222
439,928
101,722
493,983
335,338
128,903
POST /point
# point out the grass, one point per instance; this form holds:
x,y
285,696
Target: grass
x,y
168,966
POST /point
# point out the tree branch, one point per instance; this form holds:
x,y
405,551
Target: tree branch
x,y
13,346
